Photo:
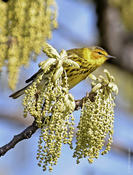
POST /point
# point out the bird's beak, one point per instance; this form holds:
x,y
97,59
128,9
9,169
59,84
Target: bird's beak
x,y
110,56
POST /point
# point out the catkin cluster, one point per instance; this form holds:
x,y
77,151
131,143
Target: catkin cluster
x,y
48,100
24,27
95,128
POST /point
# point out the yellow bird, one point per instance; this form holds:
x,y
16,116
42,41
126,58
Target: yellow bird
x,y
89,59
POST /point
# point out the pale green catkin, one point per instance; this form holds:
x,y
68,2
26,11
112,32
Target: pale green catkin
x,y
95,128
24,28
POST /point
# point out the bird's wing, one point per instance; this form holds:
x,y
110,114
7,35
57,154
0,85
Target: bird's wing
x,y
34,76
78,52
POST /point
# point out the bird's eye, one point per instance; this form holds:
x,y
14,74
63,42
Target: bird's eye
x,y
99,53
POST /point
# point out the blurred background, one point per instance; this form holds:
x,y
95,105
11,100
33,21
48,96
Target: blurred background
x,y
82,23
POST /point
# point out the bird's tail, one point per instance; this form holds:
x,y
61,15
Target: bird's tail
x,y
19,92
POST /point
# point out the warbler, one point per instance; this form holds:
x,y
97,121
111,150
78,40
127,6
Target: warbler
x,y
89,59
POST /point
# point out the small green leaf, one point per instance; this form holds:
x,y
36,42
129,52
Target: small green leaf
x,y
71,63
47,64
58,73
50,51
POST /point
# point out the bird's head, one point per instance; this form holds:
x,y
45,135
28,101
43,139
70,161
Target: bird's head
x,y
99,55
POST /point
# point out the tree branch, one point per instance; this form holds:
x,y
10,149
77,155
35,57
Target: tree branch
x,y
26,134
30,130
